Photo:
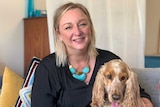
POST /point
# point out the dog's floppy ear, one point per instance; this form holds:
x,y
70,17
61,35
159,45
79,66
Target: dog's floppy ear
x,y
132,91
98,89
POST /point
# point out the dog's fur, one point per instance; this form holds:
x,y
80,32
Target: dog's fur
x,y
116,85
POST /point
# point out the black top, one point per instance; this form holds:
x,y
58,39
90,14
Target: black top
x,y
55,87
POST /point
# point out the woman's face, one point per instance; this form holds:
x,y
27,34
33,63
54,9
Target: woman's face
x,y
74,30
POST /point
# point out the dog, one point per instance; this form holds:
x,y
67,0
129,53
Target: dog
x,y
116,85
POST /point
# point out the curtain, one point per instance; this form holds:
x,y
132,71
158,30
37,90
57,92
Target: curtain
x,y
119,26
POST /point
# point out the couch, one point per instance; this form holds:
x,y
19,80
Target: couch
x,y
147,77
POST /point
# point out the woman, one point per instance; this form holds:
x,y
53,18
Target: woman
x,y
66,77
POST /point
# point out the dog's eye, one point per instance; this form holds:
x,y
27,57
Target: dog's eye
x,y
109,76
123,78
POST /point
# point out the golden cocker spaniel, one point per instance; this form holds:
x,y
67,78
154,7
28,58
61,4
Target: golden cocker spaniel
x,y
116,85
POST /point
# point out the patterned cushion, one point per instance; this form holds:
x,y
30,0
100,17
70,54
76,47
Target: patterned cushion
x,y
27,85
25,95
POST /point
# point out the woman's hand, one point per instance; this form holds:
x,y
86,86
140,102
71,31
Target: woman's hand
x,y
147,102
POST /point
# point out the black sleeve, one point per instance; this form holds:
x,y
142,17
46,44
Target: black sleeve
x,y
42,95
144,94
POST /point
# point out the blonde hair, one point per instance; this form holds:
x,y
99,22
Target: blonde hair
x,y
60,49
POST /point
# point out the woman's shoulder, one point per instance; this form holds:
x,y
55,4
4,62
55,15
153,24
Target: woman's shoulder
x,y
49,60
105,52
106,55
49,57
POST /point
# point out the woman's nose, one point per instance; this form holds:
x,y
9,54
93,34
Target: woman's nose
x,y
77,30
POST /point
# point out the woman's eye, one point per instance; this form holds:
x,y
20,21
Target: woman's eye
x,y
67,28
83,24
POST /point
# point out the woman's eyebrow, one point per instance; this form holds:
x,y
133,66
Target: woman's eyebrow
x,y
71,22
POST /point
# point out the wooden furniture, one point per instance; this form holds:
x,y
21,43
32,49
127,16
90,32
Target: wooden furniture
x,y
36,40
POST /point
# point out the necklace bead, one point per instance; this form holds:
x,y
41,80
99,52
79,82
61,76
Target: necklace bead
x,y
72,70
85,70
79,75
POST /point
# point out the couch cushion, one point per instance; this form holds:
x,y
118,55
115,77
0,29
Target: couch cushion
x,y
11,85
149,79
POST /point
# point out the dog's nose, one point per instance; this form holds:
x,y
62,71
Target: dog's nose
x,y
115,97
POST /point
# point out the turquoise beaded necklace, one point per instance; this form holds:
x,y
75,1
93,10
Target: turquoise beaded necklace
x,y
79,75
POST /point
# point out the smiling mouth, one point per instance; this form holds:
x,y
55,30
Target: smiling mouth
x,y
79,39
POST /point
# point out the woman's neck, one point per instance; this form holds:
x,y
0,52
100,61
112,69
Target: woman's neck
x,y
78,61
76,56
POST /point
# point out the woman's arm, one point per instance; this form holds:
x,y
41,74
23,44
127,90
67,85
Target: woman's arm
x,y
145,98
147,102
41,92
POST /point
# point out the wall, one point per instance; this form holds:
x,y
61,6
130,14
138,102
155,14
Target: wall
x,y
152,26
40,4
11,34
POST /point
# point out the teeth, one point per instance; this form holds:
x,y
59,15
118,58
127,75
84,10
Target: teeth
x,y
79,39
